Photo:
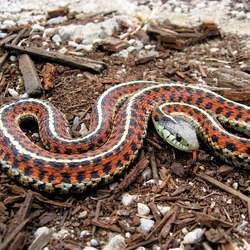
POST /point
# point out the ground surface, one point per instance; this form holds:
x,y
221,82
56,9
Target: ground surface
x,y
193,201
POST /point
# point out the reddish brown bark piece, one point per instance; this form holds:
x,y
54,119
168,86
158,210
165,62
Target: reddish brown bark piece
x,y
58,12
179,38
48,73
113,44
210,221
32,82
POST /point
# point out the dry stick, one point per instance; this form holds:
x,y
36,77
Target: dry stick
x,y
158,226
154,167
143,243
106,226
167,227
7,39
76,62
97,212
15,41
227,189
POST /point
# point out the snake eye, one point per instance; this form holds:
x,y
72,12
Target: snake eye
x,y
178,138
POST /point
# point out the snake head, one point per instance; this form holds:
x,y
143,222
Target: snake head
x,y
174,130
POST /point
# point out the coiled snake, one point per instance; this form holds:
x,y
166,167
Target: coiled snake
x,y
119,125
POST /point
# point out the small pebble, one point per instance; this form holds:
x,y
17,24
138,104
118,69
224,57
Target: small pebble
x,y
41,230
37,27
89,248
184,231
193,236
94,243
84,233
9,23
83,215
13,58
57,39
56,20
85,47
163,210
83,129
127,199
116,243
235,185
12,92
213,50
147,174
61,234
146,224
143,209
63,50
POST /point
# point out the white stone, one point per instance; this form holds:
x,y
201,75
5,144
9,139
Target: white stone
x,y
113,185
146,224
83,215
57,39
13,58
213,50
49,32
127,199
72,44
61,234
184,230
9,23
85,47
41,230
89,248
235,185
147,173
116,243
37,27
94,243
12,92
2,34
56,20
143,209
84,233
83,129
63,50
193,236
163,210
148,47
35,37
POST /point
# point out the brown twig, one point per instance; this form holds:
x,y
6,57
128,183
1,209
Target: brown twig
x,y
97,212
158,226
76,62
107,226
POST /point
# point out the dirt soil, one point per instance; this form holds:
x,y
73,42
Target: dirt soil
x,y
194,201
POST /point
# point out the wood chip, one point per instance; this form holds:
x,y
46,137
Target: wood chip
x,y
210,221
31,79
48,73
113,44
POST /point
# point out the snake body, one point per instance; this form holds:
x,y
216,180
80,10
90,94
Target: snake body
x,y
69,169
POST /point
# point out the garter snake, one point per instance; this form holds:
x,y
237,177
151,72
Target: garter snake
x,y
119,126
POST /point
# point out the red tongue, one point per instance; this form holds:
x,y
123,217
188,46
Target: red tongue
x,y
194,153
